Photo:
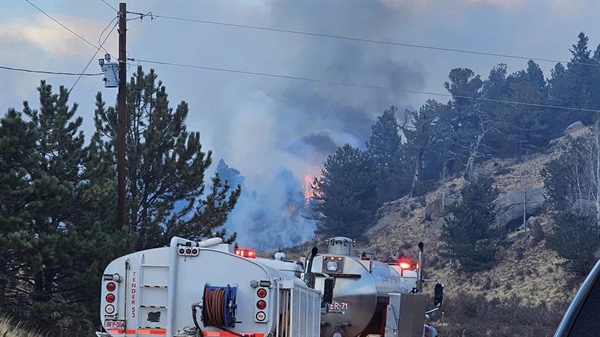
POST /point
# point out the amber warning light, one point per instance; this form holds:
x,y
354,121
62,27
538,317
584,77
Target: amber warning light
x,y
249,253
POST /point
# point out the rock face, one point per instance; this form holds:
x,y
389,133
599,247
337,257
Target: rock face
x,y
536,229
509,214
573,128
434,210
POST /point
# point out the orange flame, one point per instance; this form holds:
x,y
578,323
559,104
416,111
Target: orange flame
x,y
307,189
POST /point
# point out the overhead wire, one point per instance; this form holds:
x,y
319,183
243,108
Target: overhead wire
x,y
97,50
257,73
356,39
307,79
111,6
62,25
49,72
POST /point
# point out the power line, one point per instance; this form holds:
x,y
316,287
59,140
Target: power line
x,y
259,74
361,85
109,5
49,72
65,27
348,38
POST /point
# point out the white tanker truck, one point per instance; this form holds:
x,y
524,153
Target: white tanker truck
x,y
209,288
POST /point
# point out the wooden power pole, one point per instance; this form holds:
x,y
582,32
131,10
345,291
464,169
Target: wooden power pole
x,y
122,118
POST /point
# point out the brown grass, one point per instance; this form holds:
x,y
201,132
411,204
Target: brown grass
x,y
468,315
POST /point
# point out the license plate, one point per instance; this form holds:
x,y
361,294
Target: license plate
x,y
113,324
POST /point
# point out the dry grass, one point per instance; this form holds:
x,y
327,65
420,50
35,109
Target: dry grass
x,y
8,328
526,269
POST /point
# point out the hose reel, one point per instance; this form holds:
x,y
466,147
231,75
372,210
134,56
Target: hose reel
x,y
219,306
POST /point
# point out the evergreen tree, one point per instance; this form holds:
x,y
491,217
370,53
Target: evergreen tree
x,y
573,86
468,232
385,147
60,241
576,238
469,122
426,143
344,197
524,128
230,174
18,159
165,166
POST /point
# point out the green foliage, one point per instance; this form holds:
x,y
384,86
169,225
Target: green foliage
x,y
469,233
55,236
521,129
427,142
576,238
165,165
573,85
385,147
345,198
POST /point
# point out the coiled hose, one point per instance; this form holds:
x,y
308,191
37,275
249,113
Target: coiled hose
x,y
214,309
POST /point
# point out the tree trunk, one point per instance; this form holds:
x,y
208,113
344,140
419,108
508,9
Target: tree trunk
x,y
417,172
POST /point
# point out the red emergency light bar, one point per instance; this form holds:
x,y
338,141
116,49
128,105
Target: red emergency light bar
x,y
248,253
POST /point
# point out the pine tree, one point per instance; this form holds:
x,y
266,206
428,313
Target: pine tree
x,y
345,197
573,85
470,122
426,143
62,242
18,159
576,239
165,166
385,147
469,233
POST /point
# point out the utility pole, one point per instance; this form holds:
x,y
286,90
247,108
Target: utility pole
x,y
122,117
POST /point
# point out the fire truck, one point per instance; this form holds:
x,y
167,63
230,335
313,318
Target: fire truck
x,y
210,288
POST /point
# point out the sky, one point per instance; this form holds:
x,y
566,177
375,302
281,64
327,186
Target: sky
x,y
266,125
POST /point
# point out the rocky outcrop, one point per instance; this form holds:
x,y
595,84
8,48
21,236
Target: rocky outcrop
x,y
434,210
509,214
573,129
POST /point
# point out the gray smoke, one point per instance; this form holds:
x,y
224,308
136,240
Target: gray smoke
x,y
304,122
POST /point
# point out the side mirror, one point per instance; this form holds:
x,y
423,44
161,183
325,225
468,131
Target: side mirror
x,y
438,295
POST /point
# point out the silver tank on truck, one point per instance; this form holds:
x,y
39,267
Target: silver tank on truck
x,y
361,291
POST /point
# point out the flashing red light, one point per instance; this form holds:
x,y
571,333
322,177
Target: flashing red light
x,y
404,264
261,305
110,298
248,253
262,293
111,286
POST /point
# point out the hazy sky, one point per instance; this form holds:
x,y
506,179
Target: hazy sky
x,y
260,124
255,120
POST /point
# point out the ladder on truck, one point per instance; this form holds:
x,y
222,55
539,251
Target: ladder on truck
x,y
152,298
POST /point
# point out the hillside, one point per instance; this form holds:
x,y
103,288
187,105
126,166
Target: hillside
x,y
527,270
528,284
